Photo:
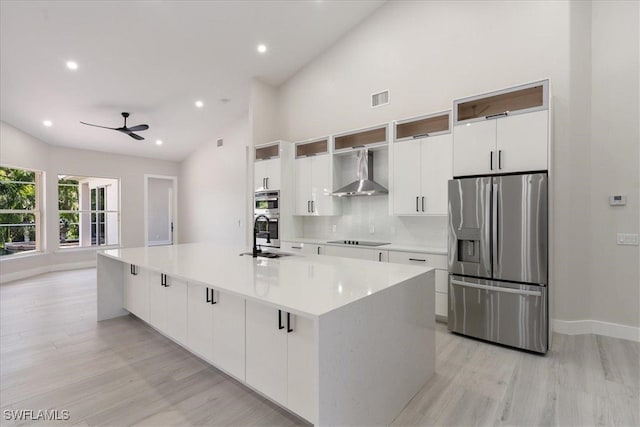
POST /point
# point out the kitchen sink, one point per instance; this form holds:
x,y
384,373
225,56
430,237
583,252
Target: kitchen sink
x,y
268,254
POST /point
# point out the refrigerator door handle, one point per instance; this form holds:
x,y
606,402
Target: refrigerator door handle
x,y
495,224
497,288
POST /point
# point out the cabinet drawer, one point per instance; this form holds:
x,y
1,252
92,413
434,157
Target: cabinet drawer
x,y
417,258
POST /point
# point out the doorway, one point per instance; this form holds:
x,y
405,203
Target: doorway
x,y
160,210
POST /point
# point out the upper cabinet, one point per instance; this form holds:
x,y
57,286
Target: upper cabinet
x,y
422,165
314,177
267,166
502,132
364,138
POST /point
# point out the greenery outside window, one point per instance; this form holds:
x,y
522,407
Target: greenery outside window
x,y
88,211
19,210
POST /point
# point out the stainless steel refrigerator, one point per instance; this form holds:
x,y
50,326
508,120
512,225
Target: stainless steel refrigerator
x,y
498,245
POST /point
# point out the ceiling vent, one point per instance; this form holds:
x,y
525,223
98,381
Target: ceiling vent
x,y
380,98
220,142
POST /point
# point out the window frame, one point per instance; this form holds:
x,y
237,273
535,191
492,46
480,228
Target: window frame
x,y
38,180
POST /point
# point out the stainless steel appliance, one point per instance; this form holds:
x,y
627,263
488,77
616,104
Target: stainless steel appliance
x,y
498,244
357,243
267,203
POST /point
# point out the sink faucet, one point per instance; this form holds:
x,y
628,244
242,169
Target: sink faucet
x,y
255,250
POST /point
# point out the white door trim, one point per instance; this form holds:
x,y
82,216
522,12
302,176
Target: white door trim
x,y
173,206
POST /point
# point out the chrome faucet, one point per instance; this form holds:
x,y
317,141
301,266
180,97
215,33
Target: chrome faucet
x,y
255,250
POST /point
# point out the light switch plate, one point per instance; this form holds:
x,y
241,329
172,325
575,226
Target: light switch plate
x,y
628,239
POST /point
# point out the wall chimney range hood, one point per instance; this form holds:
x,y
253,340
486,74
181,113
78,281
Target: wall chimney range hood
x,y
362,186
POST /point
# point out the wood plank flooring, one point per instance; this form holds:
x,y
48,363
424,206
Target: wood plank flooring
x,y
54,355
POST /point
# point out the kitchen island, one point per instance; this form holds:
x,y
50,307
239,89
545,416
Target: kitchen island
x,y
336,341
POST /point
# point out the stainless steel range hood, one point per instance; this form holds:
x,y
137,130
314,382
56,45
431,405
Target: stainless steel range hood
x,y
362,186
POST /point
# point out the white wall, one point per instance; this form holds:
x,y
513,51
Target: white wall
x,y
22,150
429,53
213,189
159,201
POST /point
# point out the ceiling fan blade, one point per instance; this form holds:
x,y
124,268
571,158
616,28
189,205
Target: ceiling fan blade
x,y
134,136
138,128
98,126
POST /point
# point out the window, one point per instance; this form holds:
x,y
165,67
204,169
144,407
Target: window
x,y
19,210
89,211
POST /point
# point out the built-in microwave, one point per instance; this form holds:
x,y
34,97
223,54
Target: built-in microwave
x,y
266,203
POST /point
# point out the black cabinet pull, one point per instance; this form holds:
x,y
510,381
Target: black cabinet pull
x,y
417,198
318,250
491,160
213,296
163,280
494,116
499,159
289,329
280,326
422,203
208,299
380,256
134,269
417,259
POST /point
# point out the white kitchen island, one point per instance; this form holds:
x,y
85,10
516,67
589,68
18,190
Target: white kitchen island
x,y
336,341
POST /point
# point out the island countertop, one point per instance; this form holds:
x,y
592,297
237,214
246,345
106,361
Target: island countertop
x,y
305,285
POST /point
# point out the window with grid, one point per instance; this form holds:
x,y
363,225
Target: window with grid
x,y
88,210
19,210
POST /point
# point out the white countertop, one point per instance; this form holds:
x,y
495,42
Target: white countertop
x,y
306,285
390,247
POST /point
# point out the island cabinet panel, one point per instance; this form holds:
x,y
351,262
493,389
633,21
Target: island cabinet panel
x,y
302,370
228,333
136,291
266,352
200,320
168,305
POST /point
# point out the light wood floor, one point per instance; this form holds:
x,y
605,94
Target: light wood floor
x,y
54,355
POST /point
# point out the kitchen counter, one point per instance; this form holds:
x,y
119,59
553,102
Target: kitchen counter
x,y
337,341
401,247
309,285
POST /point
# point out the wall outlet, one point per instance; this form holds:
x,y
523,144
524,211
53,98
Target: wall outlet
x,y
628,239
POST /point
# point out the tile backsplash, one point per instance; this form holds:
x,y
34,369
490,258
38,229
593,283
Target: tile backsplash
x,y
367,218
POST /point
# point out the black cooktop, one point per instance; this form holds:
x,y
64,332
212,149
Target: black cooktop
x,y
357,243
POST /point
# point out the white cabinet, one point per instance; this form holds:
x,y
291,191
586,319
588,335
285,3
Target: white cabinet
x,y
216,328
302,248
136,291
168,305
502,132
267,174
421,169
200,320
439,262
313,186
228,333
281,357
370,254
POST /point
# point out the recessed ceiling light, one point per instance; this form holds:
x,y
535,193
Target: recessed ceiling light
x,y
47,123
199,104
262,48
72,65
158,142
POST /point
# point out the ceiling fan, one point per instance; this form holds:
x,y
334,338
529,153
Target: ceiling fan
x,y
124,129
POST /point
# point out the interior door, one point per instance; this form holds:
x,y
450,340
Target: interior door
x,y
160,208
520,228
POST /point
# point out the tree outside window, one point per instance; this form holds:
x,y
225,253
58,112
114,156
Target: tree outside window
x,y
19,210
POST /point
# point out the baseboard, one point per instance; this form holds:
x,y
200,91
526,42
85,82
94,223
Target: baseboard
x,y
579,327
23,274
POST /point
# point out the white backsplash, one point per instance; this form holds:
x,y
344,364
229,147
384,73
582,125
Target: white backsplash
x,y
367,218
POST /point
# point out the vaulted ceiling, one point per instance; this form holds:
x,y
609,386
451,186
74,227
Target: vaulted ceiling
x,y
153,59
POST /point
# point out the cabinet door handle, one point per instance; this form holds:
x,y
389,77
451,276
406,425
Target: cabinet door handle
x,y
380,256
495,116
289,328
280,325
267,186
308,206
499,159
313,206
417,259
134,269
213,296
208,299
263,185
417,198
422,203
491,160
318,250
296,247
163,280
